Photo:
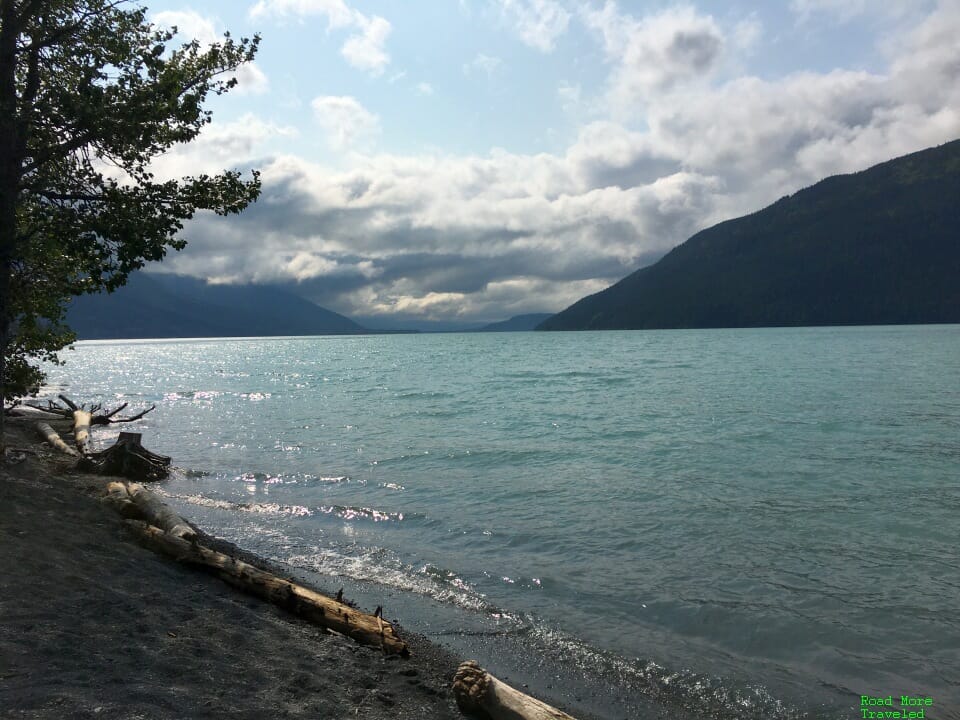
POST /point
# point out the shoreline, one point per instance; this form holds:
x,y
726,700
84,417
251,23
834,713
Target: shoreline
x,y
95,625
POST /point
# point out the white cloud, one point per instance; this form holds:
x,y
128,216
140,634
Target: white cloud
x,y
364,49
847,10
424,88
251,80
191,25
337,12
487,64
538,22
220,146
569,96
347,123
747,33
656,53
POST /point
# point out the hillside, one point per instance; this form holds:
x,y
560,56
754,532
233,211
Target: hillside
x,y
875,247
518,323
162,306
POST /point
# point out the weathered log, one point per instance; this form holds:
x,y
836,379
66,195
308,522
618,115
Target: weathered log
x,y
127,458
135,502
54,439
479,692
158,513
310,605
116,496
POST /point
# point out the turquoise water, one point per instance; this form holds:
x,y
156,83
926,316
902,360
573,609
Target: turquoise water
x,y
728,523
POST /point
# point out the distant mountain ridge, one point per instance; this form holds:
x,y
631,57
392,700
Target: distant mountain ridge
x,y
874,247
158,305
518,323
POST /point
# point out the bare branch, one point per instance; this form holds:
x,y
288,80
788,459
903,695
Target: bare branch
x,y
51,409
130,419
69,403
114,411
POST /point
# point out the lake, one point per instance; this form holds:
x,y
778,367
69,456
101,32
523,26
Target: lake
x,y
750,523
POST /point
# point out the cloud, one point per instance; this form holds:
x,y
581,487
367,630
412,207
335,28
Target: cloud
x,y
191,25
847,10
424,88
569,96
487,64
347,123
538,22
747,33
337,12
444,236
657,53
487,236
221,146
364,49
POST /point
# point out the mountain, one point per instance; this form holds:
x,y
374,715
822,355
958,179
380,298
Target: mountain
x,y
874,247
162,306
411,324
518,323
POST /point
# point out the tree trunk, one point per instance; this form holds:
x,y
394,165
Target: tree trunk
x,y
310,605
10,170
477,690
54,439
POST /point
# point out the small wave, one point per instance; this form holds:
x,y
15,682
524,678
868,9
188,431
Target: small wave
x,y
255,396
296,478
375,565
700,694
346,512
192,395
417,394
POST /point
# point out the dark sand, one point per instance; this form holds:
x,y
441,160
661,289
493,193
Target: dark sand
x,y
94,626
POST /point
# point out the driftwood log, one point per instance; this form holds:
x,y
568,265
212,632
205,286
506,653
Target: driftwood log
x,y
116,496
134,501
127,458
54,440
480,693
319,609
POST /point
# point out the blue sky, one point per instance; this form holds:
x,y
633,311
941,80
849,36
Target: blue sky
x,y
470,160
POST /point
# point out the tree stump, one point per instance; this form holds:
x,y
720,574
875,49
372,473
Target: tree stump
x,y
127,458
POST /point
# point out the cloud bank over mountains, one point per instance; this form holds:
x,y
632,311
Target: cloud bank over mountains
x,y
676,138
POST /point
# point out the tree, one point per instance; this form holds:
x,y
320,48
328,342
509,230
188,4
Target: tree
x,y
90,93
